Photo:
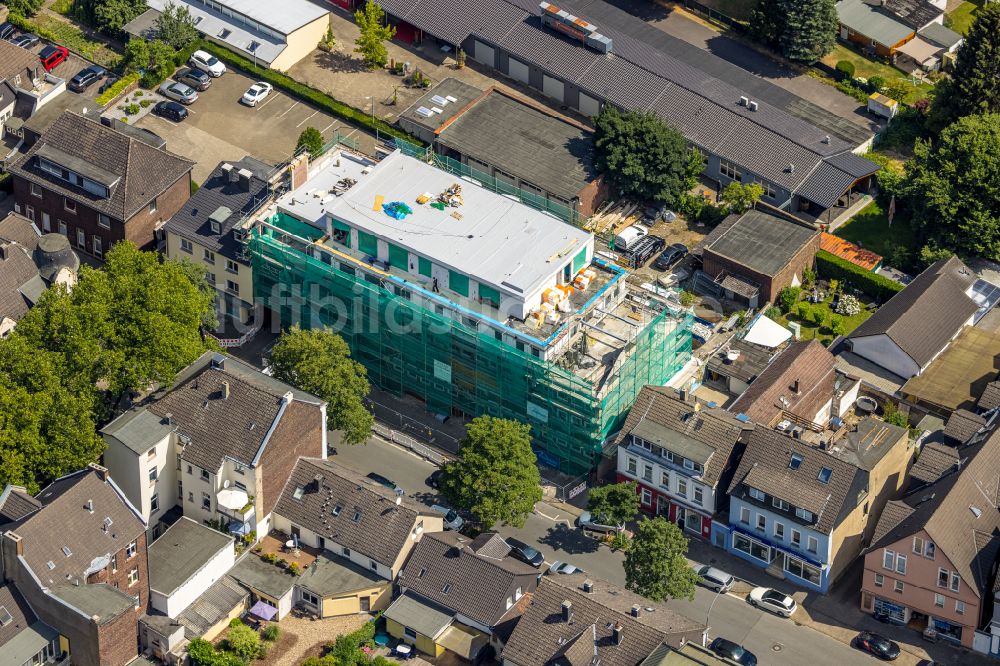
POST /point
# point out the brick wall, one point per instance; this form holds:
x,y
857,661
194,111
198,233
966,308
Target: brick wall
x,y
140,228
770,286
593,195
117,573
299,433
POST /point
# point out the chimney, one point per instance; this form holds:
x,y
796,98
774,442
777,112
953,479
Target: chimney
x,y
752,106
796,388
636,609
102,472
244,177
826,139
168,419
588,586
682,394
229,171
791,168
567,611
299,169
3,251
744,100
224,391
616,633
90,506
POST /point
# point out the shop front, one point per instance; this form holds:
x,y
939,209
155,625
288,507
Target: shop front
x,y
763,553
658,503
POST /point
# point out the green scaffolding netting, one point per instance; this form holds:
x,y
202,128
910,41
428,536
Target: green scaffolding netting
x,y
454,369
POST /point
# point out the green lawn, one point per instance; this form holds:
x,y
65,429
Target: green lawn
x,y
870,229
961,19
823,332
59,31
866,68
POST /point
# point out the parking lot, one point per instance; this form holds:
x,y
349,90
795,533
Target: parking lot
x,y
219,127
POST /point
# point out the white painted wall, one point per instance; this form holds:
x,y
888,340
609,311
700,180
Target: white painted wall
x,y
174,604
882,351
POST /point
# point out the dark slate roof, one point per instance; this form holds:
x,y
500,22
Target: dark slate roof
x,y
963,424
383,527
825,185
181,552
765,466
479,580
940,35
19,229
713,427
140,171
192,221
213,606
924,317
18,281
762,242
810,365
64,522
990,399
969,538
542,638
751,362
935,461
914,13
16,503
650,70
524,139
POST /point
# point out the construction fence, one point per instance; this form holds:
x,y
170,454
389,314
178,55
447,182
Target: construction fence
x,y
454,369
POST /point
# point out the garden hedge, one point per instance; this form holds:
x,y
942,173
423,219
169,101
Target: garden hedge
x,y
874,285
117,88
307,94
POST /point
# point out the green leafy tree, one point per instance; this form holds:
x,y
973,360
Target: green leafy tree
x,y
374,33
125,327
496,476
741,197
767,22
311,140
244,642
23,7
319,361
112,15
617,503
643,156
788,297
974,86
136,58
203,653
655,564
175,26
952,187
810,30
837,326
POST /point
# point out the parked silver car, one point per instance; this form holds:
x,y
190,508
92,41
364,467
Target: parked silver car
x,y
180,92
597,523
452,521
715,579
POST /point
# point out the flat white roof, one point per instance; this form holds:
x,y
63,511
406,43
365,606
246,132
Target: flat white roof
x,y
493,239
285,17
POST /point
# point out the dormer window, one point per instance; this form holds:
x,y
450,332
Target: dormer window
x,y
756,494
824,475
804,515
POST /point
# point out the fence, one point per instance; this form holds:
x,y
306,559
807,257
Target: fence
x,y
402,439
537,201
714,15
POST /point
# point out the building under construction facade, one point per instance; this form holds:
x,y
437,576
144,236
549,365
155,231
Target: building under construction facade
x,y
467,300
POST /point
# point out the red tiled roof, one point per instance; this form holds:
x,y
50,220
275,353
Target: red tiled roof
x,y
848,251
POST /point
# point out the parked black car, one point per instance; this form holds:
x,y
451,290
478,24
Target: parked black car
x,y
525,553
194,77
25,41
171,110
86,77
388,483
730,650
670,256
434,480
6,30
876,645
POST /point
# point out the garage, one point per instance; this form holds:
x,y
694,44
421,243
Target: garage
x,y
484,53
553,88
406,33
518,70
589,106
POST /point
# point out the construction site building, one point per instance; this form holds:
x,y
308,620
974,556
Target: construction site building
x,y
467,300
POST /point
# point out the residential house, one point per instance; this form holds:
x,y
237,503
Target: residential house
x,y
473,589
574,619
211,613
933,559
213,228
891,28
736,364
801,388
913,327
25,86
98,186
682,457
77,554
29,264
219,444
519,142
364,530
185,561
802,512
751,257
251,28
267,584
24,639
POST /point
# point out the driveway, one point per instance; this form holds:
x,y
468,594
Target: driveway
x,y
219,127
679,24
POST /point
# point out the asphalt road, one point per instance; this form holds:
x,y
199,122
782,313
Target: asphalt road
x,y
774,640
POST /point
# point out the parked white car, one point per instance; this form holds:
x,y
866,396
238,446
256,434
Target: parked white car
x,y
452,521
257,93
771,600
207,62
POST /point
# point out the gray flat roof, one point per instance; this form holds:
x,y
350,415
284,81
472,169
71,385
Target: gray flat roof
x,y
138,429
328,576
29,642
519,138
181,552
460,91
496,240
99,600
423,617
762,242
870,22
293,14
252,572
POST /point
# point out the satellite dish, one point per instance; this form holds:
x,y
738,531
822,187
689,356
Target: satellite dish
x,y
225,484
84,110
399,500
